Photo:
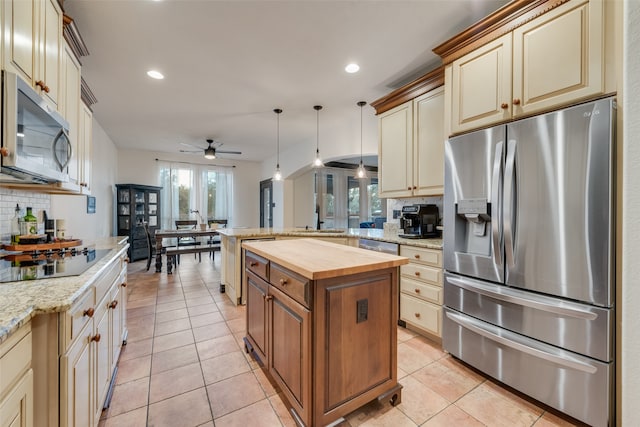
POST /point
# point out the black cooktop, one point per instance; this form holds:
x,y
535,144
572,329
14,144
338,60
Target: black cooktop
x,y
48,264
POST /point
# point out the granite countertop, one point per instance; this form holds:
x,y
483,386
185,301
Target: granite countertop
x,y
362,233
20,301
319,259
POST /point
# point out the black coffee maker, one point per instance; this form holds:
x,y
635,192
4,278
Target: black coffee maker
x,y
419,221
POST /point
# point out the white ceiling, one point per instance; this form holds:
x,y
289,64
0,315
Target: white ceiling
x,y
228,64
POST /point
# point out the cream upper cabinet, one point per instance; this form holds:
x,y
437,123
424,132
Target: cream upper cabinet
x,y
411,147
429,136
558,58
85,147
395,150
553,60
33,44
481,86
71,111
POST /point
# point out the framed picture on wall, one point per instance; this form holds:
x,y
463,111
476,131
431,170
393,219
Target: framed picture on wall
x,y
91,204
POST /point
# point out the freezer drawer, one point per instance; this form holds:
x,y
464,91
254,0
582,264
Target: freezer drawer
x,y
578,386
580,328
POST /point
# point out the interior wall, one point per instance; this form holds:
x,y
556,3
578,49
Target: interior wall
x,y
141,167
630,298
73,208
303,209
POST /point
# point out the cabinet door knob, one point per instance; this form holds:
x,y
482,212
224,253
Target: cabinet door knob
x,y
40,84
516,101
95,338
88,312
417,256
417,290
253,264
408,188
113,304
504,105
4,152
268,297
123,284
126,259
417,315
46,88
415,187
283,282
417,273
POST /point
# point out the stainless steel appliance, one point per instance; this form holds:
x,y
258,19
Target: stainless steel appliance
x,y
529,256
419,221
379,246
35,139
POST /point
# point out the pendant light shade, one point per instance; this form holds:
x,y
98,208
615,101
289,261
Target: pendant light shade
x,y
361,172
317,163
277,175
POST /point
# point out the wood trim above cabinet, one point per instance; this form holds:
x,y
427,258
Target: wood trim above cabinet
x,y
500,22
419,86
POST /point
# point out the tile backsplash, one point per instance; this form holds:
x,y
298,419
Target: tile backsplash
x,y
8,200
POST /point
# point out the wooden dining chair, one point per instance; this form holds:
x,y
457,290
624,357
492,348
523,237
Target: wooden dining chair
x,y
187,224
214,241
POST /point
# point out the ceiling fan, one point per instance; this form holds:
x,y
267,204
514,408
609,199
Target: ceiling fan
x,y
210,151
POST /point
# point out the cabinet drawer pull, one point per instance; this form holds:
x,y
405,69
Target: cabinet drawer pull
x,y
253,264
283,282
268,297
417,315
417,290
417,256
417,273
40,84
516,101
88,312
415,187
113,304
504,105
123,284
95,338
408,188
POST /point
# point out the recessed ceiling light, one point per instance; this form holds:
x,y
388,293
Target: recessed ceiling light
x,y
352,68
155,74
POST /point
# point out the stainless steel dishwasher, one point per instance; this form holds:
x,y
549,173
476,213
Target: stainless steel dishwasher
x,y
379,246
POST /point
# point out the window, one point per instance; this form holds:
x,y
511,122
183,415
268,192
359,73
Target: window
x,y
189,188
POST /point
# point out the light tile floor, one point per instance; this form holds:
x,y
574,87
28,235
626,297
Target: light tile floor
x,y
185,365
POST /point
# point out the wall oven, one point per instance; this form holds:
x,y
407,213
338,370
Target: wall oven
x,y
35,139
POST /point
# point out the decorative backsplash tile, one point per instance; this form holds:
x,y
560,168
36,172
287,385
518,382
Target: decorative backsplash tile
x,y
8,200
397,204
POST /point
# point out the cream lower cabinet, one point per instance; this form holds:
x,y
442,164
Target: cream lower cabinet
x,y
91,333
16,380
411,147
421,289
553,60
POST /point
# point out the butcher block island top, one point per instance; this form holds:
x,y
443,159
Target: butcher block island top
x,y
321,321
316,259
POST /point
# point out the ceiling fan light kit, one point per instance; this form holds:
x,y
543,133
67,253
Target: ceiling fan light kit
x,y
317,163
277,176
210,151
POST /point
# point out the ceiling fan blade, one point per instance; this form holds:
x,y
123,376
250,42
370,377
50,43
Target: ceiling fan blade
x,y
186,144
228,152
190,151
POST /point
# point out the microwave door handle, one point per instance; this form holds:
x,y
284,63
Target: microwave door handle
x,y
60,134
495,203
509,189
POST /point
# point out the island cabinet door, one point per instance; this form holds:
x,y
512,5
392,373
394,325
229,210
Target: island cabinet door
x,y
257,316
355,341
290,351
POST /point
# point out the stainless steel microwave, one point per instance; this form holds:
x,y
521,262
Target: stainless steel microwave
x,y
35,138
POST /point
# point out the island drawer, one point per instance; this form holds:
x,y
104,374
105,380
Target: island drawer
x,y
295,286
257,264
426,256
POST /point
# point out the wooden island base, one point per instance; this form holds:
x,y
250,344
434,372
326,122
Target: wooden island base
x,y
321,321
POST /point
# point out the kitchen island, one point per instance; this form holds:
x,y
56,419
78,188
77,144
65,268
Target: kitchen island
x,y
321,320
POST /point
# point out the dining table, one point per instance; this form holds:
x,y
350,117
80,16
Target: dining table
x,y
172,250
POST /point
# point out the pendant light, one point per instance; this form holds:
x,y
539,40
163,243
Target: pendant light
x,y
362,172
277,176
317,163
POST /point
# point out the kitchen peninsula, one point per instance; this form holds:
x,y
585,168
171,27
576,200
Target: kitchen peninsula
x,y
321,320
232,240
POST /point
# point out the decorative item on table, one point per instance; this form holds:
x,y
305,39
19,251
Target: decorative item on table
x,y
203,223
30,223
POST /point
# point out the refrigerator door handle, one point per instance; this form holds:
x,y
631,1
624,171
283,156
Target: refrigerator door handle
x,y
509,296
509,184
496,212
507,339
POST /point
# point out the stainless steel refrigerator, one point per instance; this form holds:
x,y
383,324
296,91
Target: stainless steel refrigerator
x,y
529,256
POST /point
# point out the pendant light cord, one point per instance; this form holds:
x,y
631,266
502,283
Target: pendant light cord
x,y
278,111
317,108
